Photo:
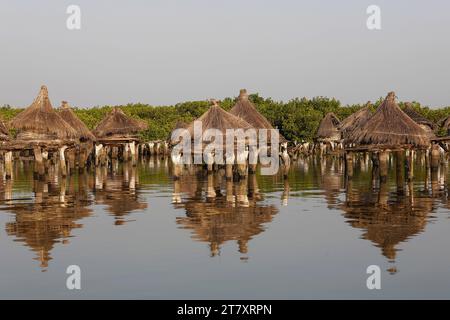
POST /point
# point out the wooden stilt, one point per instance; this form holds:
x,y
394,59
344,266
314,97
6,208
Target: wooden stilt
x,y
400,170
38,162
349,164
384,165
62,161
8,164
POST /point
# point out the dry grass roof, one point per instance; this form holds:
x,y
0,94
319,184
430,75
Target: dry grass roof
x,y
246,110
390,126
355,120
117,123
328,127
66,112
4,132
217,118
41,122
417,117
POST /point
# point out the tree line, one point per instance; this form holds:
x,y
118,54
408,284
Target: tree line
x,y
297,119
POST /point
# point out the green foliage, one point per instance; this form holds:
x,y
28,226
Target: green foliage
x,y
297,119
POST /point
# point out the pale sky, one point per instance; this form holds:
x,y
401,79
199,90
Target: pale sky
x,y
163,52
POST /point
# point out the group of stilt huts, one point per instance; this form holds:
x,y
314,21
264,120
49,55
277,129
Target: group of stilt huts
x,y
50,137
389,135
59,137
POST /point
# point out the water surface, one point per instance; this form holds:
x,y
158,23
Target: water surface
x,y
137,233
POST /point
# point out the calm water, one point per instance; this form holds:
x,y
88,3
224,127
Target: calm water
x,y
135,233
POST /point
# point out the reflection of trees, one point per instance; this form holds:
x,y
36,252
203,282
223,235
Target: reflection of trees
x,y
50,218
118,190
218,211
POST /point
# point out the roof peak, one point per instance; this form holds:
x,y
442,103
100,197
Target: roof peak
x,y
243,95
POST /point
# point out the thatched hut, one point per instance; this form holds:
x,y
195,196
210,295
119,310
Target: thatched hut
x,y
355,120
390,127
115,131
329,128
85,136
217,118
117,125
66,112
247,111
423,122
41,123
445,124
41,129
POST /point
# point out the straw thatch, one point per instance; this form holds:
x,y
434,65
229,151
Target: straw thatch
x,y
4,132
418,118
66,112
217,118
328,128
41,122
390,127
245,109
117,124
355,120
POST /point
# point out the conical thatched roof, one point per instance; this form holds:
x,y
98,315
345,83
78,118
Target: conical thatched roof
x,y
328,128
41,122
246,110
355,120
217,118
117,123
390,126
66,112
418,118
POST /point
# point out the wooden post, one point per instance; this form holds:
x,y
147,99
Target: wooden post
x,y
98,152
38,162
384,165
400,170
410,165
435,157
349,164
62,161
132,146
8,165
115,152
82,158
72,161
229,192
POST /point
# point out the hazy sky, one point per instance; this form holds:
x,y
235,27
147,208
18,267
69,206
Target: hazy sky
x,y
163,52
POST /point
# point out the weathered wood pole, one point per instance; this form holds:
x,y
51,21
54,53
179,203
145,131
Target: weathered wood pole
x,y
383,158
435,157
132,146
115,152
39,169
98,152
62,161
410,165
400,170
8,164
349,164
229,190
210,191
82,158
71,160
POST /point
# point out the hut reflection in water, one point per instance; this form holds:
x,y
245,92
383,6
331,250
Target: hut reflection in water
x,y
219,210
50,216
